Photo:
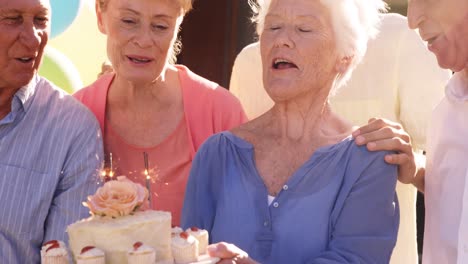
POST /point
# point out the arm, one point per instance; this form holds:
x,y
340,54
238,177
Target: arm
x,y
199,203
420,80
200,200
227,111
365,221
78,180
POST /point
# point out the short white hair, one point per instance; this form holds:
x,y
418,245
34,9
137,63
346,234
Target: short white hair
x,y
354,23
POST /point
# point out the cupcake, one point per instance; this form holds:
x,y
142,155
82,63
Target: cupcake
x,y
54,252
176,231
202,236
141,254
91,255
184,248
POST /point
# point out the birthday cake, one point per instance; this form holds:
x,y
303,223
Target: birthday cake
x,y
118,222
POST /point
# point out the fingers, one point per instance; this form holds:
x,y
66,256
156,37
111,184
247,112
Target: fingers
x,y
226,261
386,138
380,134
225,251
406,166
229,254
396,144
397,159
375,124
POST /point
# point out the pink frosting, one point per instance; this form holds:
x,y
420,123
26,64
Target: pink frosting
x,y
118,198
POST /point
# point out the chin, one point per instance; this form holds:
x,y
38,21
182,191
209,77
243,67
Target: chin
x,y
445,61
22,79
139,77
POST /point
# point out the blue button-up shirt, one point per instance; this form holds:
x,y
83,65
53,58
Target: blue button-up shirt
x,y
50,153
339,207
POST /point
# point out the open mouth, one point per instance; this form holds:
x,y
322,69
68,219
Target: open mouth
x,y
25,59
280,64
139,60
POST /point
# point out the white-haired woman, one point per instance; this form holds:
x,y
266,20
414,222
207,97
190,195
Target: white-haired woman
x,y
292,186
151,105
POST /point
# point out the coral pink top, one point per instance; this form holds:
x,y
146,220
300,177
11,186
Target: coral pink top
x,y
208,109
169,165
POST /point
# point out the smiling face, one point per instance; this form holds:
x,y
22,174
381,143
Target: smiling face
x,y
298,49
444,25
24,27
140,35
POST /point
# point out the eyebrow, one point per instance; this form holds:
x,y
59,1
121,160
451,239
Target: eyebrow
x,y
138,13
312,17
43,11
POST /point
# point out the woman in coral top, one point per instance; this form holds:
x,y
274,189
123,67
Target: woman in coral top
x,y
149,105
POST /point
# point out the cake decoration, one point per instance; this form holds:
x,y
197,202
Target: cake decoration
x,y
202,236
118,198
54,252
141,254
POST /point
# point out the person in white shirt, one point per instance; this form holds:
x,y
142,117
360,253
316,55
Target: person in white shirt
x,y
444,25
397,79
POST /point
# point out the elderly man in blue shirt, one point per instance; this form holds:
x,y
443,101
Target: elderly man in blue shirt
x,y
50,145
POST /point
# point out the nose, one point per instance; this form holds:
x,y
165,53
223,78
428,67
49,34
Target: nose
x,y
143,38
415,13
31,36
284,38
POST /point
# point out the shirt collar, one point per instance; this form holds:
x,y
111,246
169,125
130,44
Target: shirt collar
x,y
23,97
457,89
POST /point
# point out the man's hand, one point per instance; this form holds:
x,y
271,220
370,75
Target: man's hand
x,y
229,254
382,134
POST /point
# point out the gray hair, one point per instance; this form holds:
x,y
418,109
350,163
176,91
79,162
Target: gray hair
x,y
354,23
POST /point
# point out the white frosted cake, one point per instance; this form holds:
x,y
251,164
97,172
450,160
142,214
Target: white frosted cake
x,y
141,254
124,231
116,236
117,222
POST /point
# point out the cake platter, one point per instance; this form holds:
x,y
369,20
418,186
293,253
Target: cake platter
x,y
202,259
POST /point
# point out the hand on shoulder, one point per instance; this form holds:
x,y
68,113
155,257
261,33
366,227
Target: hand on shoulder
x,y
382,134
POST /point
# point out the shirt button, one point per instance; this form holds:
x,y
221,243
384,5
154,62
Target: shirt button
x,y
275,205
285,187
265,223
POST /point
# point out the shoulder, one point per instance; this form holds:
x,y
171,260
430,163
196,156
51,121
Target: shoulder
x,y
61,109
221,145
218,142
94,90
364,165
362,156
249,54
393,27
394,20
208,93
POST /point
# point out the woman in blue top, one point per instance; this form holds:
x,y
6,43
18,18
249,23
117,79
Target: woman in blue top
x,y
292,186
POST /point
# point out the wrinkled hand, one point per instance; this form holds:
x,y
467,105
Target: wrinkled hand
x,y
382,134
229,254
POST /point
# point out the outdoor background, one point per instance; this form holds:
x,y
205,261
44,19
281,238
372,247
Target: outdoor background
x,y
212,35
